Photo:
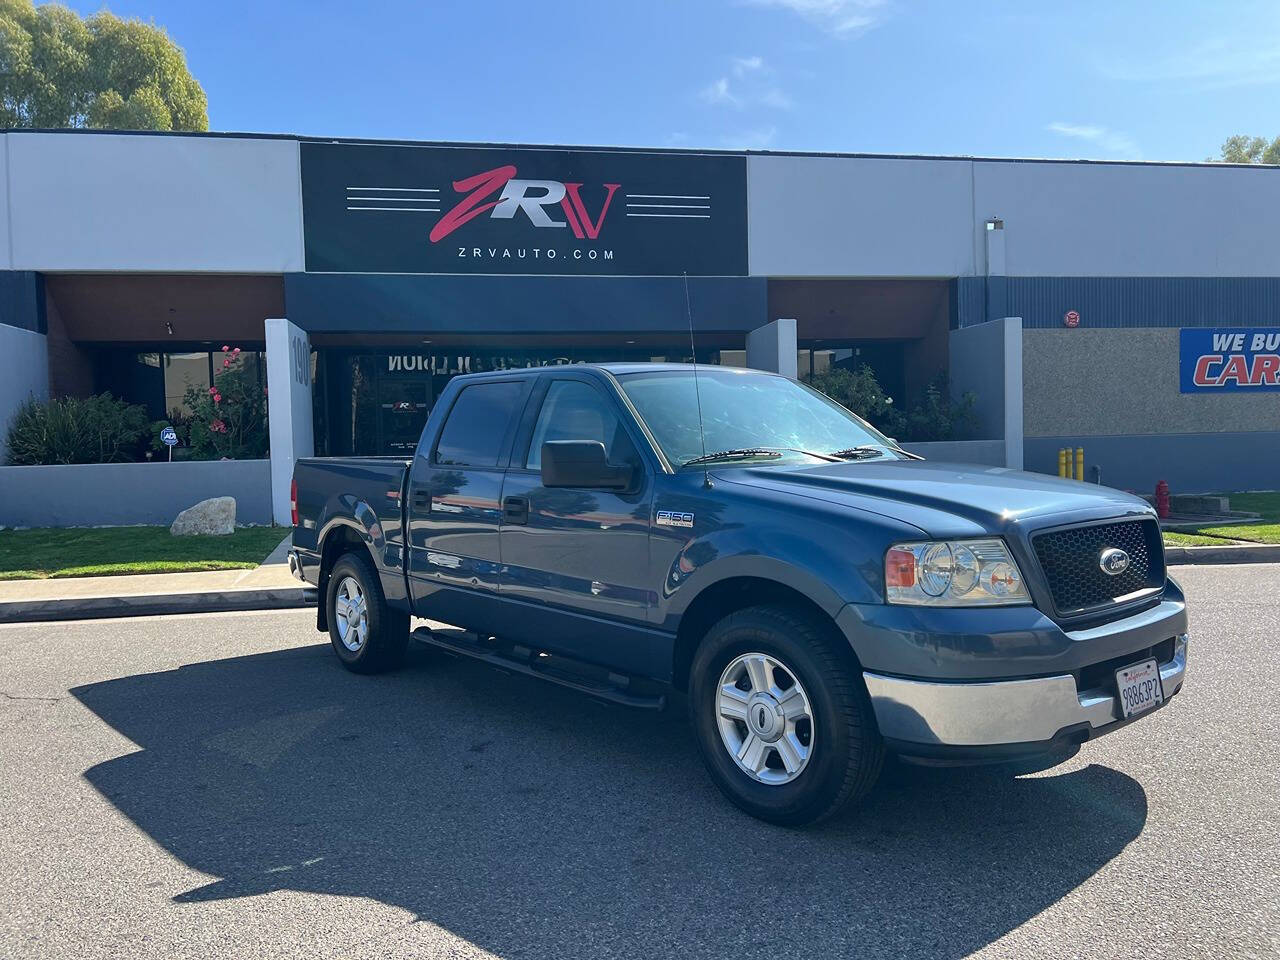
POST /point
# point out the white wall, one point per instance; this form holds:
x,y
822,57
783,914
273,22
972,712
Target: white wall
x,y
851,216
1125,220
24,372
6,256
124,494
289,410
857,216
154,203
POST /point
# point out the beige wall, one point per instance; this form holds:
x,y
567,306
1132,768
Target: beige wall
x,y
1108,382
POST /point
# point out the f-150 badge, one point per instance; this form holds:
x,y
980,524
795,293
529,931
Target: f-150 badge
x,y
674,518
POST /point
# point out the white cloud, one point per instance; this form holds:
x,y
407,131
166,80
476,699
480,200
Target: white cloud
x,y
751,85
773,97
1112,142
1217,62
756,138
840,17
718,92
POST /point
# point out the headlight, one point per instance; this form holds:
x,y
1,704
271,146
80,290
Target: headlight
x,y
953,573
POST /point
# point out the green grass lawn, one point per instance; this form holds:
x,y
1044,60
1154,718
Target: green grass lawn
x,y
1266,530
107,551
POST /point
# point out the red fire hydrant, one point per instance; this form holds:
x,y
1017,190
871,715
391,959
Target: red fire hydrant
x,y
1162,500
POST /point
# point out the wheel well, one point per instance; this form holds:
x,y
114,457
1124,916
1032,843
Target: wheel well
x,y
337,542
723,598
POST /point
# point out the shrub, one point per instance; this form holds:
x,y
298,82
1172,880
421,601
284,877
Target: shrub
x,y
859,390
230,418
935,416
98,429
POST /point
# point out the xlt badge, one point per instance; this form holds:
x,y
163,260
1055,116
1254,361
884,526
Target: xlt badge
x,y
674,518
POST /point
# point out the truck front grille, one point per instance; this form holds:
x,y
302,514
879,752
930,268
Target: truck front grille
x,y
1070,560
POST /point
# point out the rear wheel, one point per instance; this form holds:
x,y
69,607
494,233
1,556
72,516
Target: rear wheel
x,y
367,635
781,716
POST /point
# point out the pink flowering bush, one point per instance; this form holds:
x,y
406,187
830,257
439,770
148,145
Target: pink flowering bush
x,y
229,420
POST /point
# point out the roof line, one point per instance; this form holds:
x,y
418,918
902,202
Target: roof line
x,y
599,148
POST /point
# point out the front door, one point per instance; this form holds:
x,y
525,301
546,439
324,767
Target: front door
x,y
575,557
455,492
403,406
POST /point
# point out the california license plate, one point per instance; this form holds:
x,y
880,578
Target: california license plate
x,y
1140,688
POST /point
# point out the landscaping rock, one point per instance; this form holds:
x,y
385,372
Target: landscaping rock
x,y
216,516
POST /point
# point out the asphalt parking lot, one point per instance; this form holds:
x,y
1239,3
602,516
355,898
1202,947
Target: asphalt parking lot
x,y
219,786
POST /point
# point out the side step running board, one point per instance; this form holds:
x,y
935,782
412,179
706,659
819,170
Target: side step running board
x,y
587,679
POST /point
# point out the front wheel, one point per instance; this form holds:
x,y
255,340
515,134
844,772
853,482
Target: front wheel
x,y
782,718
367,635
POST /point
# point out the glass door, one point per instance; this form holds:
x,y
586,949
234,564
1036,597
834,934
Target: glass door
x,y
403,406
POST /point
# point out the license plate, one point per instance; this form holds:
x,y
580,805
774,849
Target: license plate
x,y
1140,688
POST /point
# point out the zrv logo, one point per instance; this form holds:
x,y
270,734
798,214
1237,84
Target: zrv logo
x,y
531,196
522,211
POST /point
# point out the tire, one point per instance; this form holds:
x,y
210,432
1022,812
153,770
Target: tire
x,y
375,641
797,782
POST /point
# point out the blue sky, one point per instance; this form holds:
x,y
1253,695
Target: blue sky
x,y
1111,79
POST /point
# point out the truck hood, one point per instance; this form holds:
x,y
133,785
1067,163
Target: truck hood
x,y
945,499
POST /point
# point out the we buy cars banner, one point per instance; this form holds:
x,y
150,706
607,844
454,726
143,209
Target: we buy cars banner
x,y
1230,359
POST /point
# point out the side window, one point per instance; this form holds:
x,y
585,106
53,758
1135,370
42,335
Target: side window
x,y
573,410
477,424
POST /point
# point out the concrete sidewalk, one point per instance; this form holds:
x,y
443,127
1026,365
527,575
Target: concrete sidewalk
x,y
267,586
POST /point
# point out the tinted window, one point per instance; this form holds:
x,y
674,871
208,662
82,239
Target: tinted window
x,y
472,436
574,410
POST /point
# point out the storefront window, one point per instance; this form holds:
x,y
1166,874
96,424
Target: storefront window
x,y
182,371
375,404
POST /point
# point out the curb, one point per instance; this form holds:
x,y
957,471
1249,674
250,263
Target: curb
x,y
1246,553
156,604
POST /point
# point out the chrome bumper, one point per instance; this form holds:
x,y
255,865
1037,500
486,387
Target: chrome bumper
x,y
1000,712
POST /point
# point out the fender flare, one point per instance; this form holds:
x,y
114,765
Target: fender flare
x,y
351,514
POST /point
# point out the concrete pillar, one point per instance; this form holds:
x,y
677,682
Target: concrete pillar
x,y
1012,343
773,347
24,374
289,408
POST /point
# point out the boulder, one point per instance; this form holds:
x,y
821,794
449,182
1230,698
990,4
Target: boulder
x,y
216,516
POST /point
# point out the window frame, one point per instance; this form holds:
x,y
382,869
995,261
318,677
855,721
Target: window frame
x,y
504,448
519,453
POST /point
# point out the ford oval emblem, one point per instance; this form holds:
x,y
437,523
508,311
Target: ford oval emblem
x,y
1113,561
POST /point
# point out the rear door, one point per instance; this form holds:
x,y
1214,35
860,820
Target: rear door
x,y
573,557
455,489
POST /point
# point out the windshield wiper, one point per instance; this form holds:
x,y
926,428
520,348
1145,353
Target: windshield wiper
x,y
867,450
863,452
745,453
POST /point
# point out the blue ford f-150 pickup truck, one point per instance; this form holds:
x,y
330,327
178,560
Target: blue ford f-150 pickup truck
x,y
820,596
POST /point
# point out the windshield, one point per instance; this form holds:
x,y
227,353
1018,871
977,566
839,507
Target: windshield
x,y
748,417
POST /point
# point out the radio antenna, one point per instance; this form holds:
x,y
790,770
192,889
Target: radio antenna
x,y
697,392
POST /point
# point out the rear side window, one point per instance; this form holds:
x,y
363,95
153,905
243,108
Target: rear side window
x,y
477,424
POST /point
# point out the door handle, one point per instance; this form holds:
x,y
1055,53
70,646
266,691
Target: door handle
x,y
422,501
515,510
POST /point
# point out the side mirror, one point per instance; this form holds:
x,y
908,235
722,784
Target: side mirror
x,y
582,463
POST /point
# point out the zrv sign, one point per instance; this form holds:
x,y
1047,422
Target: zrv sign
x,y
1230,359
408,209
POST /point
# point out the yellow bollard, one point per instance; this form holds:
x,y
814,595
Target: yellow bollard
x,y
1062,462
1080,464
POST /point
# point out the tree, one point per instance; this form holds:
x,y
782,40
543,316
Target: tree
x,y
60,70
1244,149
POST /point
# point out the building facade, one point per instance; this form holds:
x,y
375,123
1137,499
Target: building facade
x,y
128,261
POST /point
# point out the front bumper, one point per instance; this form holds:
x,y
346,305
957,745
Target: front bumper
x,y
1003,719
